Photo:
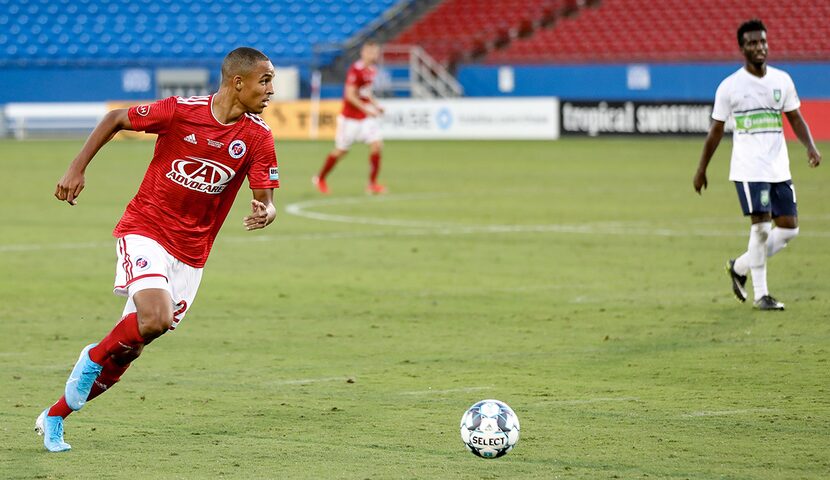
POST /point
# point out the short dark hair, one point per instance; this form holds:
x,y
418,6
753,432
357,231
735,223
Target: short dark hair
x,y
753,25
241,61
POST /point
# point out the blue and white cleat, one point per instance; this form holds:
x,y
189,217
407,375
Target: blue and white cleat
x,y
51,429
81,380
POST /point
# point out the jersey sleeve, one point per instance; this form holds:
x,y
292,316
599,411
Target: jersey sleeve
x,y
353,76
791,101
722,109
264,171
155,117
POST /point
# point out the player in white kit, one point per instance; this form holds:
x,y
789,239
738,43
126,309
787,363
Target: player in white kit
x,y
755,97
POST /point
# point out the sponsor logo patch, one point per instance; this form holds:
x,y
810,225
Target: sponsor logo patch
x,y
237,148
201,174
274,173
214,143
142,110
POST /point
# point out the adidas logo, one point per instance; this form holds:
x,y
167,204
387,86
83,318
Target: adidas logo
x,y
191,138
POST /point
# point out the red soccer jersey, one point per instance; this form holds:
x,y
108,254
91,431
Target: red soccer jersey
x,y
196,171
362,77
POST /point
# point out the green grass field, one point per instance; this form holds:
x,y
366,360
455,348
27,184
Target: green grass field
x,y
581,282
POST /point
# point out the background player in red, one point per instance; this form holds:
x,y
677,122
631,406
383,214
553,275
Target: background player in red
x,y
358,120
206,146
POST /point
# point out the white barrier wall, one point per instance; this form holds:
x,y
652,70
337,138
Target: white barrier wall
x,y
452,119
472,119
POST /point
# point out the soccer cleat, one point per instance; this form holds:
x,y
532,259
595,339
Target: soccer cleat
x,y
320,184
738,281
375,189
80,381
767,302
51,429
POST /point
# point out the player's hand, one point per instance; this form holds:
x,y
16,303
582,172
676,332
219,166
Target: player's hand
x,y
700,181
258,217
70,186
813,157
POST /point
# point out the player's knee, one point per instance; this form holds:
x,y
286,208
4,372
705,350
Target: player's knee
x,y
762,230
153,321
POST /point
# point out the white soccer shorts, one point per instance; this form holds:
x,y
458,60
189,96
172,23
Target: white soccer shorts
x,y
351,130
143,263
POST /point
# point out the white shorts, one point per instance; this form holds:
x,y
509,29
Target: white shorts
x,y
143,264
351,130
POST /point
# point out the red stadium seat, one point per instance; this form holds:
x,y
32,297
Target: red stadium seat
x,y
672,30
463,26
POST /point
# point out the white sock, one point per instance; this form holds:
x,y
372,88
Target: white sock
x,y
757,253
779,238
741,266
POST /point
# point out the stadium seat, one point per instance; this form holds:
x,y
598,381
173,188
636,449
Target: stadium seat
x,y
673,30
127,32
457,26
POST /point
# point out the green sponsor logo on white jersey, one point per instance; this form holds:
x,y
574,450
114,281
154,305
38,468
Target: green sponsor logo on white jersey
x,y
756,121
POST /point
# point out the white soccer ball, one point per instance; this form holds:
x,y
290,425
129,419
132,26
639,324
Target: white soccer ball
x,y
490,429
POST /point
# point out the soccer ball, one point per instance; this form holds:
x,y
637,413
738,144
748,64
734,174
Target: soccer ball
x,y
490,429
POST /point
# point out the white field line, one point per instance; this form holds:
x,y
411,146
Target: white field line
x,y
306,210
430,391
304,381
410,228
723,413
586,401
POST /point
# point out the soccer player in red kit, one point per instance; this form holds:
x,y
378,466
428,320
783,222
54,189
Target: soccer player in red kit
x,y
205,149
358,120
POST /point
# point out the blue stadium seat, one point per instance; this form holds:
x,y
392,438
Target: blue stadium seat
x,y
124,31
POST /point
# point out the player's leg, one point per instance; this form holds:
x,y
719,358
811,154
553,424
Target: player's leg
x,y
371,135
319,180
784,215
141,275
343,139
755,203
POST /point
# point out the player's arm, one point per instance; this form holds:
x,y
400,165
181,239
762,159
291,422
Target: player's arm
x,y
72,182
802,131
353,97
374,102
263,211
712,141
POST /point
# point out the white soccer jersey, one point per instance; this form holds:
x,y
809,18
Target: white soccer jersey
x,y
759,152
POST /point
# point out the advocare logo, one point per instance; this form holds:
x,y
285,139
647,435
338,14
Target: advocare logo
x,y
201,174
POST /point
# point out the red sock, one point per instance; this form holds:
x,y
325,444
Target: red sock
x,y
374,161
331,161
124,335
110,375
60,408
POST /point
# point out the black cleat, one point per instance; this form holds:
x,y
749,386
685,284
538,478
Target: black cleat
x,y
768,303
738,281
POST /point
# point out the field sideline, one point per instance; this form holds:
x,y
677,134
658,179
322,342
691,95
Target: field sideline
x,y
580,281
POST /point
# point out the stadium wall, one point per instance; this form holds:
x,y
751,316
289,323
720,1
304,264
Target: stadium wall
x,y
65,84
676,82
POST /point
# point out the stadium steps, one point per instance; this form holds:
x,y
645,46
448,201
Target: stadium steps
x,y
465,30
